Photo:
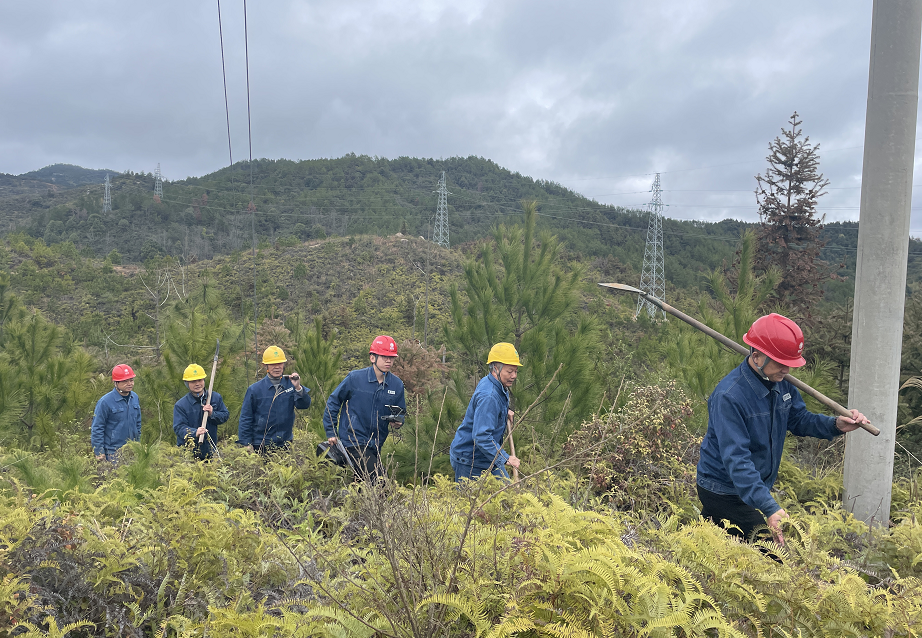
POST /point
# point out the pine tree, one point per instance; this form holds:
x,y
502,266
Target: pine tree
x,y
787,195
316,359
517,292
190,329
432,414
700,361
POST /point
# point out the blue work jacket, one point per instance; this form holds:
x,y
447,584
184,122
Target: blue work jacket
x,y
267,417
479,438
187,418
747,425
116,421
361,424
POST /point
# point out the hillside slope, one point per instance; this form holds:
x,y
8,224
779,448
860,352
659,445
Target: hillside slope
x,y
360,287
352,195
293,201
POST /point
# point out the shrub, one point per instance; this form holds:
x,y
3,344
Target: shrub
x,y
642,455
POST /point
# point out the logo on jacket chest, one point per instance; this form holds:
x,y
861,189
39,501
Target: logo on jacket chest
x,y
786,397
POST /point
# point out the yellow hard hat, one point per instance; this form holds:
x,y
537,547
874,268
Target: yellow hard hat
x,y
504,353
193,372
274,354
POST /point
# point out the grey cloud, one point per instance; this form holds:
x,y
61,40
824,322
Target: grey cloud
x,y
595,95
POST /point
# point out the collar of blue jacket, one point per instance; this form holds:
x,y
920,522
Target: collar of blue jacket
x,y
499,386
373,378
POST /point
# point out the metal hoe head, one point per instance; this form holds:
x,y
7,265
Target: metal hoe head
x,y
625,288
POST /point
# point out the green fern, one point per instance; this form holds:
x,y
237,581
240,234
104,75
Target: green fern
x,y
34,631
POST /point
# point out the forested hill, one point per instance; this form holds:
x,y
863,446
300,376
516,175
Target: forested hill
x,y
202,217
54,177
353,195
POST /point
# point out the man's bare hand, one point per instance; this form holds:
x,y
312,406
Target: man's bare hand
x,y
513,461
249,448
208,408
295,379
332,440
774,524
846,424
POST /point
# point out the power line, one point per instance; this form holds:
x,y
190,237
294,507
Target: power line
x,y
475,199
560,218
493,203
230,152
252,206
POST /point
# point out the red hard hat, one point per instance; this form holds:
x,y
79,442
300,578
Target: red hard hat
x,y
384,345
122,372
779,338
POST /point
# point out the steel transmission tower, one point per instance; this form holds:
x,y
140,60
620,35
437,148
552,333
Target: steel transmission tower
x,y
158,183
441,215
653,276
107,198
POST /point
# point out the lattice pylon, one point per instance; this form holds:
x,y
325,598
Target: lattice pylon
x,y
653,275
440,235
158,183
107,198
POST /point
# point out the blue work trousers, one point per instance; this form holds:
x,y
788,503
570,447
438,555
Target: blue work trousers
x,y
473,472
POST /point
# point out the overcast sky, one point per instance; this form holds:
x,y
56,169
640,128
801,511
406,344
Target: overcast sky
x,y
595,95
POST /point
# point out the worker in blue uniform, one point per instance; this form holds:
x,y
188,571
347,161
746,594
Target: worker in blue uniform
x,y
267,417
750,413
478,444
189,411
117,417
374,402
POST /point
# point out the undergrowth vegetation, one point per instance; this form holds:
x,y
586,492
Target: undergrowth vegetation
x,y
285,545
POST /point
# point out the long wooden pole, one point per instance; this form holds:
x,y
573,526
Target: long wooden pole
x,y
743,350
515,470
214,368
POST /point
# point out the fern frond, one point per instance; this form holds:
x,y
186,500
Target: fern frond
x,y
471,609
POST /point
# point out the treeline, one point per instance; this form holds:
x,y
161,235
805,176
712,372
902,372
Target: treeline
x,y
299,201
199,218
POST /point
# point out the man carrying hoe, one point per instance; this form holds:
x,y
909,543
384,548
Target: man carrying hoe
x,y
189,410
267,417
749,414
477,446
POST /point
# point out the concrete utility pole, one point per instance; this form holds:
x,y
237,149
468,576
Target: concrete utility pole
x,y
883,245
